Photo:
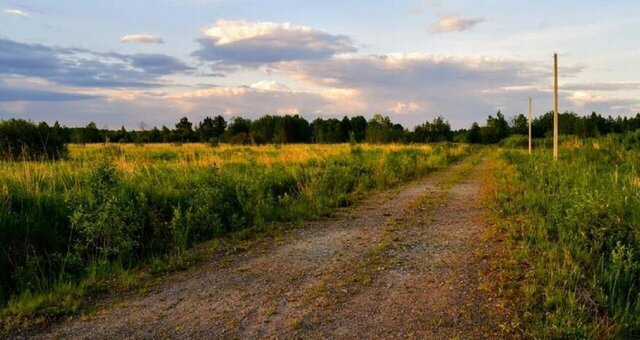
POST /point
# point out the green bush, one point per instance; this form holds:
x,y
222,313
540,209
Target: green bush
x,y
106,218
515,141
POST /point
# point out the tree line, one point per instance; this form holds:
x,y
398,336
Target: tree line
x,y
498,128
20,138
265,130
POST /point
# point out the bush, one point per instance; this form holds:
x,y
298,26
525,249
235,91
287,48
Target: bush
x,y
515,141
106,219
213,142
213,209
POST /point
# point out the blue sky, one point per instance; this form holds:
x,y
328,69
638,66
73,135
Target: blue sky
x,y
124,62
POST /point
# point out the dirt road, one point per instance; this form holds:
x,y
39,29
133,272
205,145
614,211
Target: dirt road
x,y
402,263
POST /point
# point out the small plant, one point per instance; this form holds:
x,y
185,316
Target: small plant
x,y
213,142
112,150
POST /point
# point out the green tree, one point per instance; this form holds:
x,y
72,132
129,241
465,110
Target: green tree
x,y
496,129
21,139
211,128
184,130
381,130
358,126
438,130
238,131
475,134
520,125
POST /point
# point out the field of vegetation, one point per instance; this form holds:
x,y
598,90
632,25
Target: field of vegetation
x,y
68,225
77,220
573,233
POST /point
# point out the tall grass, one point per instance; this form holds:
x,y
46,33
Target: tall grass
x,y
574,228
117,206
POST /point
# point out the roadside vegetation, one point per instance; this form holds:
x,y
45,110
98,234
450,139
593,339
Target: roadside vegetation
x,y
69,226
572,230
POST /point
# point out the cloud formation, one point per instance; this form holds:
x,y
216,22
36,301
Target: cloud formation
x,y
156,64
323,73
602,86
112,111
412,88
142,38
16,12
14,94
85,68
448,24
255,43
264,97
421,85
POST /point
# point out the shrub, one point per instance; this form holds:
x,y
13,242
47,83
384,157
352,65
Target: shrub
x,y
213,142
213,209
515,141
106,219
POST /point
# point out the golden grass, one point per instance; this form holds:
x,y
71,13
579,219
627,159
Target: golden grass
x,y
133,159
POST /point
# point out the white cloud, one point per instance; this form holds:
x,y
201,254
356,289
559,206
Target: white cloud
x,y
447,24
141,38
240,42
230,31
405,107
16,12
251,101
602,86
582,98
269,85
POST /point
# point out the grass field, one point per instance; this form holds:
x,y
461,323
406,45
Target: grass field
x,y
573,233
66,226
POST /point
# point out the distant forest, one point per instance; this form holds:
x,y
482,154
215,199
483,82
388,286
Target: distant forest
x,y
20,136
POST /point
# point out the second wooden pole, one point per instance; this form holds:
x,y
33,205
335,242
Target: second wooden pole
x,y
555,106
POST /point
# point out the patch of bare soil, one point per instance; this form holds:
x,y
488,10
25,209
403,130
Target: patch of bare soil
x,y
403,263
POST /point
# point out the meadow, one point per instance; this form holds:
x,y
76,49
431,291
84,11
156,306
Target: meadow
x,y
69,224
572,231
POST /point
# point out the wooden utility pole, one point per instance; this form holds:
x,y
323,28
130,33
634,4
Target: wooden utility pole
x,y
530,125
555,106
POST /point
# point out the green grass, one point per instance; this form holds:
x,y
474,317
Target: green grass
x,y
81,227
573,229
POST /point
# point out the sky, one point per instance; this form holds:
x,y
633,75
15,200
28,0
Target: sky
x,y
125,62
